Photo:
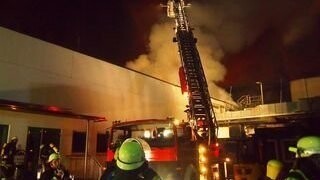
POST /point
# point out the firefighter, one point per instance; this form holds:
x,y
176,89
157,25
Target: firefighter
x,y
45,151
274,168
131,163
56,170
7,157
307,161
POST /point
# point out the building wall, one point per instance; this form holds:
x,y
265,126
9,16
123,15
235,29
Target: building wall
x,y
39,72
305,88
35,71
19,123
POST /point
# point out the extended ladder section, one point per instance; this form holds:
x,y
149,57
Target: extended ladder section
x,y
200,106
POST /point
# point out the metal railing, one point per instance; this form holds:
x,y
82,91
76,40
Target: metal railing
x,y
75,164
269,110
246,101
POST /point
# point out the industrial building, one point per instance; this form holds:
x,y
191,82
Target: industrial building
x,y
52,94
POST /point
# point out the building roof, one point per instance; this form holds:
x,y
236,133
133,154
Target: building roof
x,y
46,110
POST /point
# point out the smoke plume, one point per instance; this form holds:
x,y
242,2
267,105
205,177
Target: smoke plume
x,y
163,60
223,27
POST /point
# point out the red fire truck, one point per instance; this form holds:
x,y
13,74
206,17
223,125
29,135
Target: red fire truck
x,y
173,153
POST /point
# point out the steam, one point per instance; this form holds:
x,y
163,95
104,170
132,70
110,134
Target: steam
x,y
299,28
237,24
163,60
223,27
233,23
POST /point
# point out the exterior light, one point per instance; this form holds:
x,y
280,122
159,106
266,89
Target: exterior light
x,y
203,159
147,134
203,169
201,149
167,132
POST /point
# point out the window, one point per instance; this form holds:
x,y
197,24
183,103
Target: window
x,y
78,142
156,135
102,140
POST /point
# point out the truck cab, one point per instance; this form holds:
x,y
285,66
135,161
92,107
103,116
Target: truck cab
x,y
169,149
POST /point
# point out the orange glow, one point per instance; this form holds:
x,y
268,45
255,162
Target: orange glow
x,y
162,154
53,108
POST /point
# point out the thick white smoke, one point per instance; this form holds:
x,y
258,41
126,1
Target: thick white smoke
x,y
223,27
163,60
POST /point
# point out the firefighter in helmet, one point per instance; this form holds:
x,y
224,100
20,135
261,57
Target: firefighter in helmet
x,y
7,156
55,170
274,168
131,163
307,162
45,151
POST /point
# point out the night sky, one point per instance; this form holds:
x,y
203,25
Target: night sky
x,y
109,30
259,40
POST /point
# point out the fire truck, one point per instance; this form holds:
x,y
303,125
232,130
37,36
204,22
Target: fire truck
x,y
171,150
184,150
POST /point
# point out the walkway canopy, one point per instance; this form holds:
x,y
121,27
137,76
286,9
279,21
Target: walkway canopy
x,y
46,110
52,111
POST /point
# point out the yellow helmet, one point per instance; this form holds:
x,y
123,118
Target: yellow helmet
x,y
307,146
273,168
53,156
14,138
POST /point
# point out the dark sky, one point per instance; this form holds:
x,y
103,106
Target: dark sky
x,y
114,30
280,38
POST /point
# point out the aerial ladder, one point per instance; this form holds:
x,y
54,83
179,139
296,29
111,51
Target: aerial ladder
x,y
193,81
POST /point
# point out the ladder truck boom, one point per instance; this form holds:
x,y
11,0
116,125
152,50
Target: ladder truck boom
x,y
202,117
200,109
184,150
